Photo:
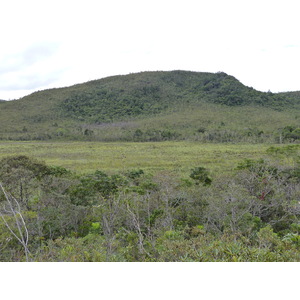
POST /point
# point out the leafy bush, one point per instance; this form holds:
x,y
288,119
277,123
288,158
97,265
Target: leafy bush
x,y
201,175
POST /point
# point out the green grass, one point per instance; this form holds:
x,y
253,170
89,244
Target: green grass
x,y
173,157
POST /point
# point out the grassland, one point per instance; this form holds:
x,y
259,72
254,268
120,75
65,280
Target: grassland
x,y
174,157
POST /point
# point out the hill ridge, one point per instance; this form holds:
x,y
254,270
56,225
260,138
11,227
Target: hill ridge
x,y
153,102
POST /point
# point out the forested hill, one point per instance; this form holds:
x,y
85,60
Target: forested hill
x,y
149,93
156,101
291,97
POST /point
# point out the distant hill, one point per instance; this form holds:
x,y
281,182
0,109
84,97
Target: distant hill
x,y
152,106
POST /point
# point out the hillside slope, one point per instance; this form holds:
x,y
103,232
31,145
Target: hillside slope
x,y
151,106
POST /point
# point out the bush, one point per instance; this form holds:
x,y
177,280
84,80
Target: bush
x,y
201,175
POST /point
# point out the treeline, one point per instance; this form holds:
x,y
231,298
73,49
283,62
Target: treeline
x,y
52,214
111,132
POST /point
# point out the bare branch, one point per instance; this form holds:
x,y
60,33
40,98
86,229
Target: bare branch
x,y
19,221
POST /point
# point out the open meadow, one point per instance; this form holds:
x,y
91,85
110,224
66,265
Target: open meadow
x,y
175,157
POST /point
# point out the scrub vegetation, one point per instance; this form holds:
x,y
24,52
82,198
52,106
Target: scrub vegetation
x,y
155,167
190,210
154,106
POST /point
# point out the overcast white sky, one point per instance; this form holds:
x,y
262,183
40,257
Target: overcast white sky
x,y
57,43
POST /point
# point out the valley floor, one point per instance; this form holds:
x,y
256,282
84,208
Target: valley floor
x,y
178,157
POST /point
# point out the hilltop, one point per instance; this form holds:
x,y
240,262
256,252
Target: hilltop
x,y
150,106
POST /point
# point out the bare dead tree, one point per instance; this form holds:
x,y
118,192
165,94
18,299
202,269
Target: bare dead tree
x,y
137,226
110,211
12,208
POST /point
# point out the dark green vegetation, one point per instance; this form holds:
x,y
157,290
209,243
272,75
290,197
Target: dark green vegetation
x,y
154,106
192,197
251,214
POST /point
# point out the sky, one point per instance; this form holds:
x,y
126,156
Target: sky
x,y
49,44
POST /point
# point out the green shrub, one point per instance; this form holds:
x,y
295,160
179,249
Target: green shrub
x,y
201,175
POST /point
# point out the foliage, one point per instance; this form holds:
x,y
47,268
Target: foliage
x,y
201,174
250,215
154,106
137,201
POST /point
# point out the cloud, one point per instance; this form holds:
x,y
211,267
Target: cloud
x,y
33,54
36,53
28,81
30,68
